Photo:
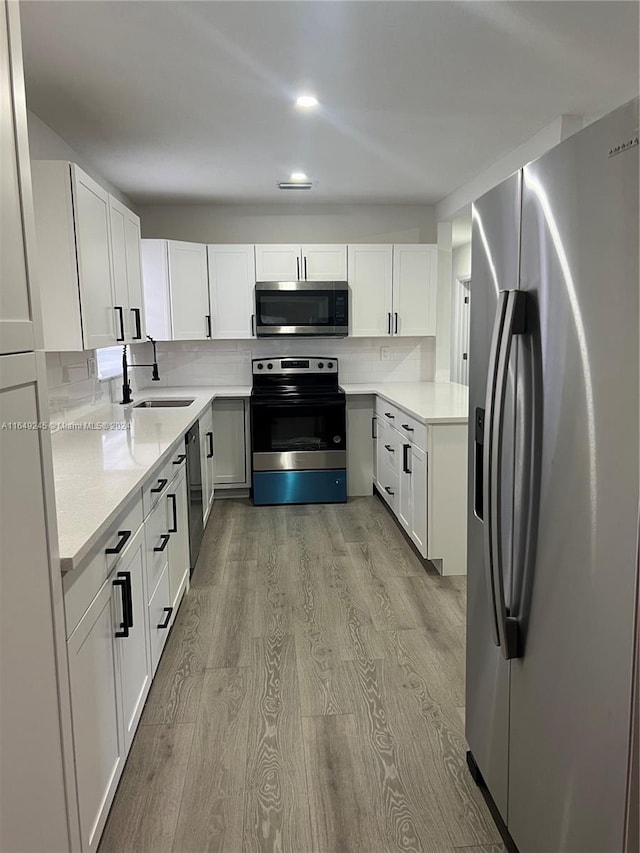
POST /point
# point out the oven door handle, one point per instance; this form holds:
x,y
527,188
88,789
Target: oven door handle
x,y
278,402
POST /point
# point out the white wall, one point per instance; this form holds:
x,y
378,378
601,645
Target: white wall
x,y
45,144
461,262
229,362
290,222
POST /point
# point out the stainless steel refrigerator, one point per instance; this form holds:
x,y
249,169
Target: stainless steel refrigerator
x,y
553,491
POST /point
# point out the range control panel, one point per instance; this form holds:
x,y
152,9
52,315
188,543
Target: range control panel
x,y
287,366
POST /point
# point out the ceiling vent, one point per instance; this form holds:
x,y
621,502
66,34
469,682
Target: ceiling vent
x,y
295,185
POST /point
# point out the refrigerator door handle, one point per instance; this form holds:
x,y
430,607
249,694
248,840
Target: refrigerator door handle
x,y
514,324
487,457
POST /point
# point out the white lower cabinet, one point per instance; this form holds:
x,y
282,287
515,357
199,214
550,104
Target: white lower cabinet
x,y
94,674
207,462
231,430
177,499
421,472
116,635
133,647
160,612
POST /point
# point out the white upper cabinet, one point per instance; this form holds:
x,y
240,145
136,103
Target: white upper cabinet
x,y
16,219
127,273
370,278
291,262
89,254
415,270
232,278
324,263
393,289
176,290
189,287
278,263
91,209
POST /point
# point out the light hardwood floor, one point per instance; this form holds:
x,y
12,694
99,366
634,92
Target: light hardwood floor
x,y
310,697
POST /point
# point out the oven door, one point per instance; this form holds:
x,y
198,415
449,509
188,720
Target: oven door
x,y
299,308
298,434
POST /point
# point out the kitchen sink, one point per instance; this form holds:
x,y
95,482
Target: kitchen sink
x,y
161,404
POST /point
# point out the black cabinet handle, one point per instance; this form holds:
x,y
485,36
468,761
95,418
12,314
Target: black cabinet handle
x,y
388,322
305,268
253,325
208,319
124,535
124,625
389,491
118,308
389,415
136,315
407,427
210,453
165,624
127,596
174,511
298,268
165,541
180,459
395,330
405,458
389,448
373,428
161,484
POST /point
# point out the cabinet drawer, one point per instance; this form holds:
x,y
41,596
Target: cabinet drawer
x,y
156,535
160,611
389,482
390,413
412,430
156,485
82,584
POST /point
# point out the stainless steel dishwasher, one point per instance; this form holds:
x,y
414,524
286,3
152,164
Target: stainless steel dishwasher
x,y
194,485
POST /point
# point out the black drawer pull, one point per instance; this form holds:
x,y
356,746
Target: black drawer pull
x,y
210,453
180,459
124,535
208,322
389,491
165,541
373,428
165,624
161,484
389,448
124,625
389,415
407,427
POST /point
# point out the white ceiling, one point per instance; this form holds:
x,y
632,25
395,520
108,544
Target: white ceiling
x,y
192,102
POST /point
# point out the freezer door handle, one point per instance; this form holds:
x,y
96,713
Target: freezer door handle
x,y
514,324
487,457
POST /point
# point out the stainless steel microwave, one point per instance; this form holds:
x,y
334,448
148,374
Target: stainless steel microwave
x,y
302,309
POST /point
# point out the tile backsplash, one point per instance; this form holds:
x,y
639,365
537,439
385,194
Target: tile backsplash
x,y
229,362
74,388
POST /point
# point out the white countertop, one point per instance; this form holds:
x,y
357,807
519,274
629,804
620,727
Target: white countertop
x,y
97,470
428,402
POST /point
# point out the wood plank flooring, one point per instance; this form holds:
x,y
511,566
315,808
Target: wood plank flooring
x,y
309,700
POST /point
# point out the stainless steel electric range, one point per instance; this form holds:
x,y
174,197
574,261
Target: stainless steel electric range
x,y
298,431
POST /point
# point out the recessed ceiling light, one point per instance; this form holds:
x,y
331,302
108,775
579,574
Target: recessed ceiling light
x,y
298,176
306,101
